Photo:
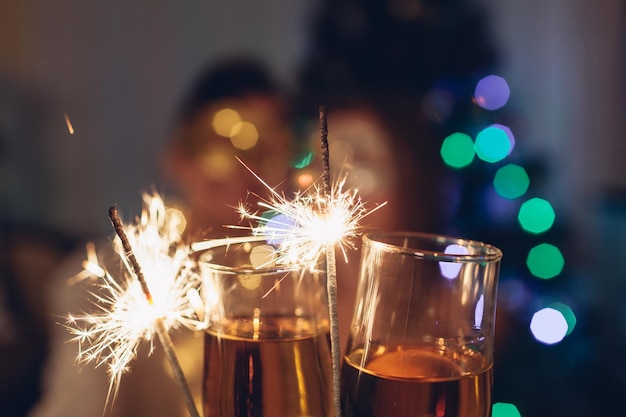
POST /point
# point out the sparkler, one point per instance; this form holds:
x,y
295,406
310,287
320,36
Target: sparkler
x,y
141,306
311,224
331,278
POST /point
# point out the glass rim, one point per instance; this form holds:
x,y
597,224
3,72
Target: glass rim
x,y
228,243
376,239
248,270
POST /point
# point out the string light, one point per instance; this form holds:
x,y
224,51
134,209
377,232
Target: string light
x,y
545,261
492,92
505,410
548,326
511,181
457,150
492,144
536,215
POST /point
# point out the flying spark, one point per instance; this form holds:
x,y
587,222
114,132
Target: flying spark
x,y
68,122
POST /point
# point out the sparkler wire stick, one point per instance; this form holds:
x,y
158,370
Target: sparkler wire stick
x,y
331,272
161,330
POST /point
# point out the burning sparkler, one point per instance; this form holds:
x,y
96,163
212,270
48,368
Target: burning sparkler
x,y
311,224
140,307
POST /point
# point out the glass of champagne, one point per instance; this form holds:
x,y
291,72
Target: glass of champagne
x,y
267,347
422,335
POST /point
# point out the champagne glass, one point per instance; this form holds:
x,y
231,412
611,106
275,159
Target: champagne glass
x,y
422,334
267,348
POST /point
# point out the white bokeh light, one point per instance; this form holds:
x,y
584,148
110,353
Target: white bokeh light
x,y
479,312
548,326
451,270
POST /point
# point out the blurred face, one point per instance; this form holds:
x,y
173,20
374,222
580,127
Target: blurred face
x,y
204,163
360,147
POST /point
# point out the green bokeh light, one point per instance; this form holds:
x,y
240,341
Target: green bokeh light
x,y
504,410
545,261
303,161
492,144
536,215
568,314
511,181
457,150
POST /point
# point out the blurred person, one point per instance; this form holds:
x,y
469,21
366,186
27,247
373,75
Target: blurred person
x,y
396,77
417,64
233,109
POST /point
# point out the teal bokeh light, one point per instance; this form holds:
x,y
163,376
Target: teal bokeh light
x,y
567,313
545,261
457,150
536,215
303,161
504,410
511,181
492,144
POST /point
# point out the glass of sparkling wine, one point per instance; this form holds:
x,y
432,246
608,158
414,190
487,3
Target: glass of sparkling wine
x,y
267,348
422,333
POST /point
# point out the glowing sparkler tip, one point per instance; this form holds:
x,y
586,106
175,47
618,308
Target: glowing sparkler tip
x,y
306,225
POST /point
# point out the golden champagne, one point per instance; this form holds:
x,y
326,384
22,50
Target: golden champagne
x,y
417,383
270,367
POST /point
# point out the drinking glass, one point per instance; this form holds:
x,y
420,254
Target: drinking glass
x,y
267,347
422,334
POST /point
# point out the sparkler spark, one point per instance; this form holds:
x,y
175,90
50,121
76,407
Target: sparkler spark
x,y
125,316
306,225
303,227
68,123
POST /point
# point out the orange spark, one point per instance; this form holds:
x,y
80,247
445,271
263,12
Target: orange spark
x,y
68,122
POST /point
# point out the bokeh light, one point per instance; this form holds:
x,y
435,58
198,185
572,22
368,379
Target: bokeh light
x,y
278,224
224,120
492,144
492,92
479,312
504,410
457,150
244,135
536,215
304,180
567,313
545,261
548,326
509,135
303,161
451,270
511,181
218,165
